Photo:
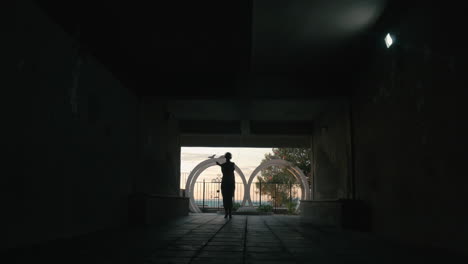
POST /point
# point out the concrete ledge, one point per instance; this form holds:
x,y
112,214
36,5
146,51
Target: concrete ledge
x,y
147,209
321,213
350,214
247,210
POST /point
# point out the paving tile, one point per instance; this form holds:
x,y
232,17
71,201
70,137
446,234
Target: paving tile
x,y
258,261
163,260
220,255
174,253
226,243
226,239
209,238
265,249
184,247
224,248
216,260
280,255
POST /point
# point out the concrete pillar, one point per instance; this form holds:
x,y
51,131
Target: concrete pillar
x,y
160,150
331,156
157,187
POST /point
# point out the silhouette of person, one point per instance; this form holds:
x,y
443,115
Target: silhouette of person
x,y
227,183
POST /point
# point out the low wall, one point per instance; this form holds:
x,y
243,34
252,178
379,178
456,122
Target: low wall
x,y
148,209
350,214
321,213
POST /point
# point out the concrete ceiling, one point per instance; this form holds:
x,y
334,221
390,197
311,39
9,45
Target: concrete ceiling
x,y
264,110
289,35
245,48
234,73
253,123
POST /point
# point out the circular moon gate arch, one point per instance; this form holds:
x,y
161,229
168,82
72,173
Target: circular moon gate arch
x,y
192,178
295,171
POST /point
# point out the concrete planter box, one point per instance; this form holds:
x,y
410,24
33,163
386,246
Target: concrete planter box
x,y
351,214
148,209
247,213
320,213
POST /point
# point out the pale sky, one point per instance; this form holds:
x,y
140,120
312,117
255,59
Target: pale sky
x,y
247,159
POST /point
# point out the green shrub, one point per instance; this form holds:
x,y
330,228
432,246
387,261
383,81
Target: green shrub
x,y
236,206
291,207
265,208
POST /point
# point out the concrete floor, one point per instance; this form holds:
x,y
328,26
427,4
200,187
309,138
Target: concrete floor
x,y
209,238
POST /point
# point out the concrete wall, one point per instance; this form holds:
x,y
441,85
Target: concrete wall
x,y
160,150
156,189
69,133
331,154
408,137
410,133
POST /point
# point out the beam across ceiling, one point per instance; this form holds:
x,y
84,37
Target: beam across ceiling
x,y
252,141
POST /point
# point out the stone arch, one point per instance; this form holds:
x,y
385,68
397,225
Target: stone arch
x,y
193,176
295,171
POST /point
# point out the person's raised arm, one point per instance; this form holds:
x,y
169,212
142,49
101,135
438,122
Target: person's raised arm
x,y
217,163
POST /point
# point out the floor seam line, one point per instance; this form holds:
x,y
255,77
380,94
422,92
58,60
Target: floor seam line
x,y
244,255
281,242
206,243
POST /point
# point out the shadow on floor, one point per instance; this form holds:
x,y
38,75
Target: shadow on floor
x,y
209,238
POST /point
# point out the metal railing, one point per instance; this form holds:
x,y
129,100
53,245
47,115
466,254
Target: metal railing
x,y
278,195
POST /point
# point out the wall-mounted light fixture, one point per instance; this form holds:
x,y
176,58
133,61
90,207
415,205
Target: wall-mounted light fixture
x,y
389,40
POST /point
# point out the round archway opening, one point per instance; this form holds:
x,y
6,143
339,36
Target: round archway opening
x,y
243,188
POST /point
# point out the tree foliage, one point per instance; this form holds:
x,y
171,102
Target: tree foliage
x,y
276,181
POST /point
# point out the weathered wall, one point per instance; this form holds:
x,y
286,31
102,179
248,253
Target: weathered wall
x,y
410,132
331,154
160,149
69,132
156,190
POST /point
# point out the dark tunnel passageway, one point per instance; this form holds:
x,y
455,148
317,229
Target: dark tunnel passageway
x,y
99,99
